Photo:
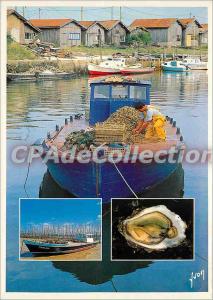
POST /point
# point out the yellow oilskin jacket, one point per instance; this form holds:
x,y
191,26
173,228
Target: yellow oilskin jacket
x,y
156,127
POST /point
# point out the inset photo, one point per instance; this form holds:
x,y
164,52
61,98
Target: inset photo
x,y
152,229
60,229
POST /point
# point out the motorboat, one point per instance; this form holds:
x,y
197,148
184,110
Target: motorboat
x,y
107,67
174,66
105,178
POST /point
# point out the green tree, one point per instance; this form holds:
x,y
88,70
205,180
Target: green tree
x,y
143,38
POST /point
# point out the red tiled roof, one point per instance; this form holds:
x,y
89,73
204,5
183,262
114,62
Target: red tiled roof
x,y
204,27
49,22
153,23
108,24
185,22
86,24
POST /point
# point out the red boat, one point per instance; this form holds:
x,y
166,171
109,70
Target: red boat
x,y
97,70
107,67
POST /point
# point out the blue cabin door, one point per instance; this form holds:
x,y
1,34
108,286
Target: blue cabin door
x,y
99,111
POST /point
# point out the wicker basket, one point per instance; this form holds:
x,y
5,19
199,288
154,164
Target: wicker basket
x,y
109,133
137,139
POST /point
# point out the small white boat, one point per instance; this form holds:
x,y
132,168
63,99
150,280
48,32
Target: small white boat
x,y
195,64
174,66
109,66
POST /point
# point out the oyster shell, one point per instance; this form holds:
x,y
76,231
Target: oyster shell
x,y
155,228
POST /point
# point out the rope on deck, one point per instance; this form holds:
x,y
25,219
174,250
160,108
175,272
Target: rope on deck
x,y
125,180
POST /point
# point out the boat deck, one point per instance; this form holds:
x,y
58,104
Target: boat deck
x,y
57,138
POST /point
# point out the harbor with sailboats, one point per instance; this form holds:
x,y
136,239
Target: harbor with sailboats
x,y
58,236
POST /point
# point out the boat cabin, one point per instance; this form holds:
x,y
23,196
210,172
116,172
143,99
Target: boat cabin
x,y
89,238
173,63
114,63
106,97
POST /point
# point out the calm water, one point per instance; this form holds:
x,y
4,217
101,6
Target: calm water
x,y
33,110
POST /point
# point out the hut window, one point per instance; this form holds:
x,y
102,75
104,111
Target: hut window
x,y
193,37
138,92
120,91
178,37
122,38
28,35
74,36
101,91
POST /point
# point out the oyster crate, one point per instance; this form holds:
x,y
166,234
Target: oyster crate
x,y
106,133
137,139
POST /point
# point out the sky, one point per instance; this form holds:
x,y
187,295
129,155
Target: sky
x,y
103,13
59,212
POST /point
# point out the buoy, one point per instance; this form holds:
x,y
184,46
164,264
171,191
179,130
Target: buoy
x,y
171,120
178,130
181,138
71,118
48,135
66,121
174,124
57,127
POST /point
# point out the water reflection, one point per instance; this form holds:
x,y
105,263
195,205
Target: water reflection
x,y
103,271
34,104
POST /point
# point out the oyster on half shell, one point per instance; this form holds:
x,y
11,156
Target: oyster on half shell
x,y
155,228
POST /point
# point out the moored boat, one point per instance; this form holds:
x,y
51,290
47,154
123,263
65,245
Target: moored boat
x,y
195,64
104,178
174,66
107,67
99,70
58,248
46,75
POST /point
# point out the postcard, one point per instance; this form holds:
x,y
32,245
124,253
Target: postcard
x,y
106,124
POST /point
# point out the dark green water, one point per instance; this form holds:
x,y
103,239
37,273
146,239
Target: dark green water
x,y
33,109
